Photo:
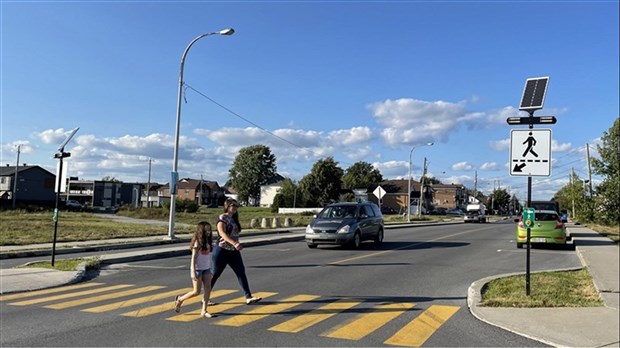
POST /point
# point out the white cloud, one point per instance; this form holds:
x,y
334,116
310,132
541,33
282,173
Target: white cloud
x,y
500,145
557,147
489,166
462,166
353,136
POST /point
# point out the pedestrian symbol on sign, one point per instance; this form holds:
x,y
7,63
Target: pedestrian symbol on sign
x,y
530,145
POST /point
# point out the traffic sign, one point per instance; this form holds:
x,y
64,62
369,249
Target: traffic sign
x,y
379,192
530,152
528,217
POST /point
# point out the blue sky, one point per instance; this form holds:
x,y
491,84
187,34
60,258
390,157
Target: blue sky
x,y
356,80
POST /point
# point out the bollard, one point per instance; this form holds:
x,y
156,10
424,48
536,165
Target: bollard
x,y
264,223
254,223
288,222
275,223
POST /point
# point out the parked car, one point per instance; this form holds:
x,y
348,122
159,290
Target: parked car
x,y
456,211
564,215
346,223
439,211
547,227
72,204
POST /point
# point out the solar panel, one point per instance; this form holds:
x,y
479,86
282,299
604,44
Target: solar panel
x,y
534,93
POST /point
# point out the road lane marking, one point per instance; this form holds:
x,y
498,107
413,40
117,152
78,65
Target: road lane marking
x,y
217,308
406,246
46,291
366,323
69,295
114,295
135,301
265,310
169,306
422,327
304,321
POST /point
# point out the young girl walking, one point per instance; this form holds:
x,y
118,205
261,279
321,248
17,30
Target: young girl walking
x,y
200,267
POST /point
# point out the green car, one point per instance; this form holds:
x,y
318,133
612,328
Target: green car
x,y
547,227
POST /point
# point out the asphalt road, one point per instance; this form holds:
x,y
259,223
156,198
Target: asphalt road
x,y
415,284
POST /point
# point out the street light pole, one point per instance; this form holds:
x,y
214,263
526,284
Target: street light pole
x,y
175,161
409,182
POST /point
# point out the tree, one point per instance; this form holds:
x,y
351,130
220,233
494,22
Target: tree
x,y
322,185
254,166
289,195
572,198
499,199
608,191
361,175
431,180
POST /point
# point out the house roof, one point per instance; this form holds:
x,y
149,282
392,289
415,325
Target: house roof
x,y
395,186
10,170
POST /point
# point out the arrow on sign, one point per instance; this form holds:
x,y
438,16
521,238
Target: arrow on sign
x,y
518,167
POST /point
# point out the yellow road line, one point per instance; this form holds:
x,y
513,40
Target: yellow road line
x,y
73,294
407,246
266,310
83,301
135,301
218,308
169,306
366,323
46,291
304,321
424,326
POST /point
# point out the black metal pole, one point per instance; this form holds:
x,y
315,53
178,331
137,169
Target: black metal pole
x,y
56,208
527,262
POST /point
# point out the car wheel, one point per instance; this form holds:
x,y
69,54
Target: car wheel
x,y
312,245
379,237
357,240
520,245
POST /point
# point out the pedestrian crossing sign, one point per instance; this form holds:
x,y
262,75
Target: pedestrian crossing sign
x,y
528,217
530,152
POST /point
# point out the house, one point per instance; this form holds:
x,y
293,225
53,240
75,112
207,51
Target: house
x,y
269,191
100,193
31,184
202,192
449,196
395,197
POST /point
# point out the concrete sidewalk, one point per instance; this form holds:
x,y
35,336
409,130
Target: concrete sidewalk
x,y
561,327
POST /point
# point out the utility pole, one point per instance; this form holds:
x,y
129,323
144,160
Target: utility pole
x,y
148,187
475,183
572,182
200,203
421,189
589,170
15,178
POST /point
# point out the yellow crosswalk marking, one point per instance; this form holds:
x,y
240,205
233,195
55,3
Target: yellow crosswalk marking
x,y
135,301
69,295
169,306
10,297
366,323
422,327
218,308
304,321
266,310
80,302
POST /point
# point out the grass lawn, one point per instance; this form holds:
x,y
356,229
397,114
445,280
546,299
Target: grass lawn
x,y
547,289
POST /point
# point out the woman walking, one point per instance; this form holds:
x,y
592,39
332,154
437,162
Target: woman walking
x,y
227,251
200,267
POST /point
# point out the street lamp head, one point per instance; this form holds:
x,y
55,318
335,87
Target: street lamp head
x,y
227,31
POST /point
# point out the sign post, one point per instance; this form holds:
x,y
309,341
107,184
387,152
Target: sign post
x,y
530,150
379,192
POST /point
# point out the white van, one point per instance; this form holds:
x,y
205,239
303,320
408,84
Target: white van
x,y
475,213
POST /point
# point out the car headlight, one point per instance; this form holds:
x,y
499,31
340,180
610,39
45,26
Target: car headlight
x,y
309,229
344,229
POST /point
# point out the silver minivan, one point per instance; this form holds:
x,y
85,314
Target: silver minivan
x,y
346,223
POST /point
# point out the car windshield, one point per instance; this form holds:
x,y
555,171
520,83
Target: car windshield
x,y
339,212
546,217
